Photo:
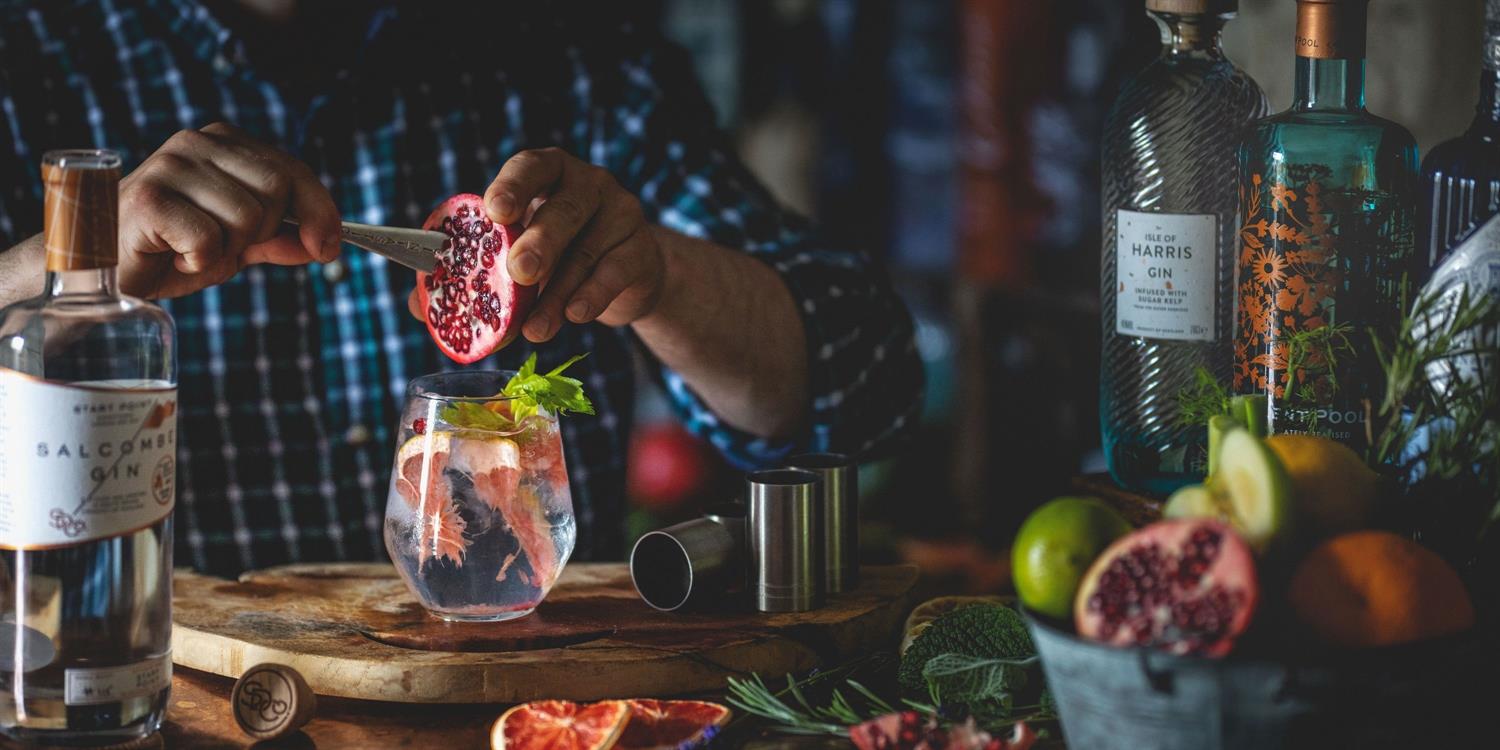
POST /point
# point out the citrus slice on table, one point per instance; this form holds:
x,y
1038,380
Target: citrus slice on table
x,y
658,725
560,725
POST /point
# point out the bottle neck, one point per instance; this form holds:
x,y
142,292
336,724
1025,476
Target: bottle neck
x,y
1330,83
90,283
1191,35
1487,111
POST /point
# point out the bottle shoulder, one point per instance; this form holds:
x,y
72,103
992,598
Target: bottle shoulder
x,y
1465,155
1164,81
85,312
1324,136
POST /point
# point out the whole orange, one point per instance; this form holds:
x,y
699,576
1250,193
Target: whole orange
x,y
1374,588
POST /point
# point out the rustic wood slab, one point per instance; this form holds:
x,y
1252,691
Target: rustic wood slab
x,y
354,631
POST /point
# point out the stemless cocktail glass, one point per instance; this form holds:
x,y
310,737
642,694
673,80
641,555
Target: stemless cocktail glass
x,y
479,517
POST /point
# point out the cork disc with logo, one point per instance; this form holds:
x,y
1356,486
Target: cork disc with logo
x,y
272,700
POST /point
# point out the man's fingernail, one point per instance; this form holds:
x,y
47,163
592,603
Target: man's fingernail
x,y
504,205
579,311
527,266
538,325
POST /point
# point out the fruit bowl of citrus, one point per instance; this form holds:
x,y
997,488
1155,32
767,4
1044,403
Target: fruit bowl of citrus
x,y
1268,607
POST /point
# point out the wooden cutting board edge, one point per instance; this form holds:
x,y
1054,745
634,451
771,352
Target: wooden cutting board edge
x,y
572,673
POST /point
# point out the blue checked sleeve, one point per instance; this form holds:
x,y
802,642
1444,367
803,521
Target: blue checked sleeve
x,y
865,377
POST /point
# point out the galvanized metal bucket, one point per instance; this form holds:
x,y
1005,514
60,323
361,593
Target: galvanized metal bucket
x,y
1432,695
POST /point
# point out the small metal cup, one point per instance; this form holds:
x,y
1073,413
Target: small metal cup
x,y
840,490
785,540
687,565
734,516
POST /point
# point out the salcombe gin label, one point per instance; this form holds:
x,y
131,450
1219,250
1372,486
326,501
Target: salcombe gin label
x,y
83,461
1166,269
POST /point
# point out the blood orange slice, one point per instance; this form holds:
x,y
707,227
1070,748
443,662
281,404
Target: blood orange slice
x,y
560,725
671,724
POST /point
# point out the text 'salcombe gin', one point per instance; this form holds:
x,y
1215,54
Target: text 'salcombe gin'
x,y
88,404
1328,196
1170,222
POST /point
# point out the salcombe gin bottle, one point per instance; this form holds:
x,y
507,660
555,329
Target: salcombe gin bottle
x,y
88,403
1167,278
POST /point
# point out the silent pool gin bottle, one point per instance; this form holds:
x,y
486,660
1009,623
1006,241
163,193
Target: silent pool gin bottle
x,y
1328,201
1167,270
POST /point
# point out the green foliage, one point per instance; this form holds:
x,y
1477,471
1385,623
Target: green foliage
x,y
1312,364
986,631
1459,418
527,392
1204,399
553,391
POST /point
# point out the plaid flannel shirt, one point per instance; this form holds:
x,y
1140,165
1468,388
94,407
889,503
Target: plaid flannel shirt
x,y
291,378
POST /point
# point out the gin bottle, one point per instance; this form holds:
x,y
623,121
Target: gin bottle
x,y
1167,270
88,398
1461,176
1328,201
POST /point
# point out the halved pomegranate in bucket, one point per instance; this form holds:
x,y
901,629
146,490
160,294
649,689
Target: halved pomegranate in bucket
x,y
1184,586
473,307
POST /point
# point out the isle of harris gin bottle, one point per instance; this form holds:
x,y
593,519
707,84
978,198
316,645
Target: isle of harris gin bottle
x,y
88,404
1167,270
1328,196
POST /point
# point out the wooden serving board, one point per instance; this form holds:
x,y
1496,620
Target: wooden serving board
x,y
354,631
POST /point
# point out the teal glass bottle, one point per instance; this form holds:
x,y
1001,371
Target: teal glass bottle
x,y
1328,200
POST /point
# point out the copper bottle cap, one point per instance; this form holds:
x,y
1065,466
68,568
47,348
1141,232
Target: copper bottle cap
x,y
1193,7
272,700
1331,29
80,214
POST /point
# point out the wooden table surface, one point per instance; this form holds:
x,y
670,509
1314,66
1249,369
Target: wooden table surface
x,y
199,714
199,717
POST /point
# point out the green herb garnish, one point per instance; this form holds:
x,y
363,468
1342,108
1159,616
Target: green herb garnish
x,y
526,393
554,391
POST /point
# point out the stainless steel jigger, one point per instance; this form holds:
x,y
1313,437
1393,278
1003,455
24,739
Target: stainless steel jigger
x,y
691,564
840,490
785,540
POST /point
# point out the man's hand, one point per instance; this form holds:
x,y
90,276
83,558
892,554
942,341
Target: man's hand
x,y
210,202
587,241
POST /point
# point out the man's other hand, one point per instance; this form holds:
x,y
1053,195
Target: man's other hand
x,y
586,241
210,202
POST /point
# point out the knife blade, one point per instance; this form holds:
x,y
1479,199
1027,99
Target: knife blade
x,y
414,248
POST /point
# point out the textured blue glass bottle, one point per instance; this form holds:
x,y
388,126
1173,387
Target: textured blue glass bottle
x,y
1461,177
1328,198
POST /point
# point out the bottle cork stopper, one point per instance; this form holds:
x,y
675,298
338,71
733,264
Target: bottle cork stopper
x,y
80,214
1193,7
272,700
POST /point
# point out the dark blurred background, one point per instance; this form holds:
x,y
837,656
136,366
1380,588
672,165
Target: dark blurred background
x,y
958,142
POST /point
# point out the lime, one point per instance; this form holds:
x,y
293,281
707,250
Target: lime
x,y
1054,548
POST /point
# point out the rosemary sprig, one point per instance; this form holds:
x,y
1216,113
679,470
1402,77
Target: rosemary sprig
x,y
1315,354
753,697
1439,427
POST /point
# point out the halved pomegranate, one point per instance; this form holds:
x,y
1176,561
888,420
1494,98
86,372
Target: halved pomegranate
x,y
1185,586
473,307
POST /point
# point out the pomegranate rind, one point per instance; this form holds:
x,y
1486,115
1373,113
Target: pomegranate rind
x,y
1228,582
560,725
514,299
661,725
